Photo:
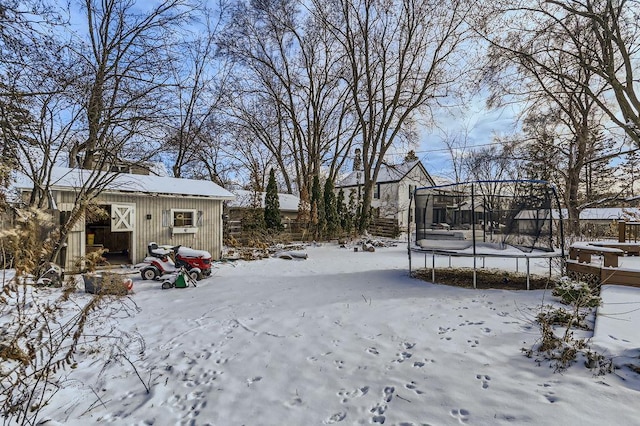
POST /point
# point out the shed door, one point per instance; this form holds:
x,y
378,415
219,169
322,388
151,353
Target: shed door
x,y
122,217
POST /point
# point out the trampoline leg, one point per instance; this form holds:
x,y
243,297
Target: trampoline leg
x,y
433,267
449,261
527,273
474,273
516,265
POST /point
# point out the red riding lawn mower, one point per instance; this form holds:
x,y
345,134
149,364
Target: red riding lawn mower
x,y
169,259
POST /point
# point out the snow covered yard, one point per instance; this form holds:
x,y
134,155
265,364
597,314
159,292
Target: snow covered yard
x,y
341,337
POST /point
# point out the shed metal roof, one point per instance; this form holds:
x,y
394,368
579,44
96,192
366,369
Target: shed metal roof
x,y
64,178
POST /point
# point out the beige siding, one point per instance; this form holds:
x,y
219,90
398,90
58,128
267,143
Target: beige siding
x,y
75,249
208,237
394,196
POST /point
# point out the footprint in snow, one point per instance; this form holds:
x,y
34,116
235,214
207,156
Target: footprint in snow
x,y
485,380
356,393
412,386
335,418
253,380
461,414
387,393
402,357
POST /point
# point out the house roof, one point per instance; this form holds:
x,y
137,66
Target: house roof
x,y
387,174
288,202
603,213
64,178
611,213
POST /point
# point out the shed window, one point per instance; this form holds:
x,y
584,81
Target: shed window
x,y
183,218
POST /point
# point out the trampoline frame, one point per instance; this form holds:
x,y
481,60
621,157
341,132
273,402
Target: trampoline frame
x,y
474,254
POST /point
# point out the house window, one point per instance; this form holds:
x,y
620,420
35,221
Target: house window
x,y
182,218
376,192
412,188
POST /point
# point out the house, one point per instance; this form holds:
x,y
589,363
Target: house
x,y
140,209
391,190
236,209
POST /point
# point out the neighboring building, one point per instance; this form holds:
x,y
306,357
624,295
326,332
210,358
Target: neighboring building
x,y
141,209
244,199
391,190
594,222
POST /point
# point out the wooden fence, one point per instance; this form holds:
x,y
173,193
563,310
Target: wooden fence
x,y
382,227
298,231
628,231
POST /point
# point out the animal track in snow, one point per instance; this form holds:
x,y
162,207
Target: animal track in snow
x,y
549,394
335,418
412,386
339,364
467,322
253,380
373,351
387,393
485,380
294,402
420,364
403,356
473,343
356,393
378,411
461,414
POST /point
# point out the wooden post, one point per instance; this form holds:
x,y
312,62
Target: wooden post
x,y
621,231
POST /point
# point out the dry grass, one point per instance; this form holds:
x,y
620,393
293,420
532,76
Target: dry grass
x,y
485,279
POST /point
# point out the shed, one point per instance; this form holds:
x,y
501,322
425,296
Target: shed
x,y
141,209
289,204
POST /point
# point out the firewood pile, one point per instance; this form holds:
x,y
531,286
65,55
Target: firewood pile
x,y
262,251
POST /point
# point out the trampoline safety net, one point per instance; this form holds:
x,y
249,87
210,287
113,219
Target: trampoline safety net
x,y
517,213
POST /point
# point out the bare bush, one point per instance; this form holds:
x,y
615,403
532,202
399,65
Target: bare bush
x,y
558,343
42,328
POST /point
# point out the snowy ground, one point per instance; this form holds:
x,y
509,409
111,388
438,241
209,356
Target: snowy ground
x,y
341,337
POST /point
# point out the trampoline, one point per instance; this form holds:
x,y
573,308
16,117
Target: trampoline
x,y
487,218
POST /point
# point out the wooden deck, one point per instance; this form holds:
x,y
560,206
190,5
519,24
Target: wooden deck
x,y
579,264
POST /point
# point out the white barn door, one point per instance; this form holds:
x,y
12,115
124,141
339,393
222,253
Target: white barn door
x,y
123,217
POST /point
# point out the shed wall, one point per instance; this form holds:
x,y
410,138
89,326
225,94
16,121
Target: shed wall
x,y
208,237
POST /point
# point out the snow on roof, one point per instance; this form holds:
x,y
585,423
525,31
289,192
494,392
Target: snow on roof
x,y
612,213
288,202
66,178
604,213
386,174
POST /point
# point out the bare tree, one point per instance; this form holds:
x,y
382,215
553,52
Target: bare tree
x,y
291,92
608,53
401,56
614,49
553,75
125,61
27,55
198,84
